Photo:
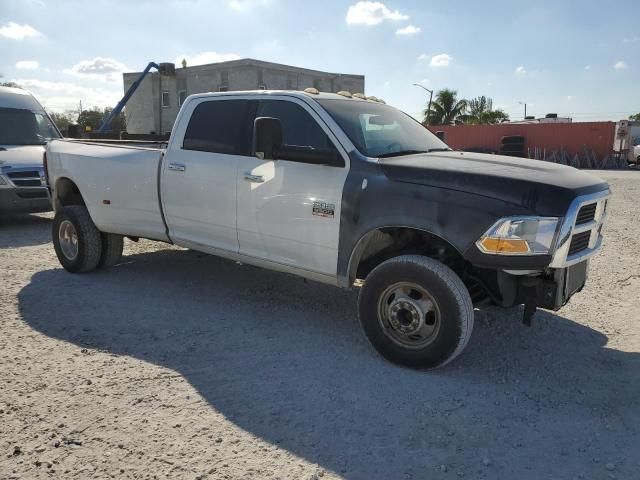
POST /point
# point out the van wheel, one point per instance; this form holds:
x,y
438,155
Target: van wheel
x,y
112,246
76,239
416,312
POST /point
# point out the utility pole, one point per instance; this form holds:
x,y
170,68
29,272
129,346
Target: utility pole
x,y
160,104
525,109
430,99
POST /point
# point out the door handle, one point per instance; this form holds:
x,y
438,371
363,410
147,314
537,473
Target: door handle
x,y
177,167
253,178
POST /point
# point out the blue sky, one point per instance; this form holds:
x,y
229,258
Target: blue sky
x,y
577,58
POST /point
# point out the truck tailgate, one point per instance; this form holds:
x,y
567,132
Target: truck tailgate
x,y
118,183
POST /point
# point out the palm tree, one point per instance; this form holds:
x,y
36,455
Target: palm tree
x,y
481,112
446,108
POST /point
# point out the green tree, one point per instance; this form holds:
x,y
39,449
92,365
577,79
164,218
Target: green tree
x,y
481,112
8,84
446,108
93,119
635,118
63,120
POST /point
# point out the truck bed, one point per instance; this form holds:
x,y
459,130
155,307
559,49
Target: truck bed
x,y
153,144
118,181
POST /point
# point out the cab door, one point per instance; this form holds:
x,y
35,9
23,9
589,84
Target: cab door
x,y
289,211
199,172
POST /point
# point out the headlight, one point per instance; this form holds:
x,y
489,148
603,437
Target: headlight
x,y
520,236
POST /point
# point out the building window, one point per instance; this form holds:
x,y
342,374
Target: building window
x,y
165,98
261,85
182,96
224,81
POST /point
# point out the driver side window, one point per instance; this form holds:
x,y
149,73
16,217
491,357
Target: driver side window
x,y
298,127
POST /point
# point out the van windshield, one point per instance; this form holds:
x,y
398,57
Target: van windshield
x,y
24,127
378,130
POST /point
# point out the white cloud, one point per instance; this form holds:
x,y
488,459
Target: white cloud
x,y
620,65
61,96
442,60
372,13
520,70
246,5
408,30
587,67
27,65
15,31
423,57
101,68
204,58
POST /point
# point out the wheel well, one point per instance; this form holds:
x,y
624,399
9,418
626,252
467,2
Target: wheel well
x,y
388,242
67,193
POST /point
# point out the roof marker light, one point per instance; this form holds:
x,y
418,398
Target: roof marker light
x,y
311,91
361,96
344,93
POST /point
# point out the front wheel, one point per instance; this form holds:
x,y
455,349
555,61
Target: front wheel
x,y
76,239
416,312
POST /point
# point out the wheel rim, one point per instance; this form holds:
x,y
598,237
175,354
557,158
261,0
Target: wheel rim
x,y
68,238
409,315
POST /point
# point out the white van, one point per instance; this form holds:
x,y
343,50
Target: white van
x,y
25,129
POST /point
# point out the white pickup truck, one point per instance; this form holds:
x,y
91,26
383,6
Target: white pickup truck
x,y
338,188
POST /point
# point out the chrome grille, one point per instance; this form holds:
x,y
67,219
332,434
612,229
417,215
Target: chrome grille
x,y
26,178
579,242
581,230
586,214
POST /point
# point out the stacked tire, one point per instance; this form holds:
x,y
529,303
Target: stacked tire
x,y
512,145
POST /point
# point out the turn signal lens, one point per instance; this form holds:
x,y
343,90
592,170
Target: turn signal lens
x,y
505,245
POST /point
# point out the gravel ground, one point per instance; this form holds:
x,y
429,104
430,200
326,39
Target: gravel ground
x,y
176,364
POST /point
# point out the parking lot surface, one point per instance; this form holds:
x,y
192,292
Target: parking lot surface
x,y
176,364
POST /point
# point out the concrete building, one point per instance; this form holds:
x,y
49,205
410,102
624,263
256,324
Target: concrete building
x,y
155,105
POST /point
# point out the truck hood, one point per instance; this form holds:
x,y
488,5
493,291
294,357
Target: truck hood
x,y
21,156
542,187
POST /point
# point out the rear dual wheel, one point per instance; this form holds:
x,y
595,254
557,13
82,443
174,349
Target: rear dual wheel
x,y
79,245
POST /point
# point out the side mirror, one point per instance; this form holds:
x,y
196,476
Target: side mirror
x,y
267,135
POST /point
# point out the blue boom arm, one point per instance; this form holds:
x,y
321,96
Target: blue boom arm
x,y
106,123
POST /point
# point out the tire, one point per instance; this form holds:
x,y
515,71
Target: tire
x,y
112,246
513,140
73,230
428,299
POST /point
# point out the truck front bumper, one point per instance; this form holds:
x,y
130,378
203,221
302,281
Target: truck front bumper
x,y
551,289
24,200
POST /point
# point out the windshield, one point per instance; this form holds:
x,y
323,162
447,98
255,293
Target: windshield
x,y
25,127
378,130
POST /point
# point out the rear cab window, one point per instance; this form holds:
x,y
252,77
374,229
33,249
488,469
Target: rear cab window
x,y
220,126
